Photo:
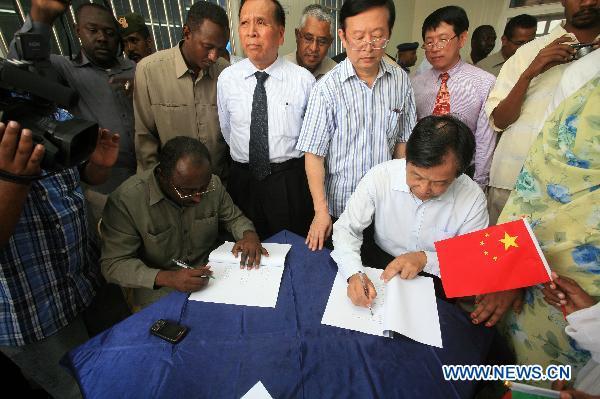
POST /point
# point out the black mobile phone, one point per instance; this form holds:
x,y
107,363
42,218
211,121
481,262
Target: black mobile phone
x,y
168,331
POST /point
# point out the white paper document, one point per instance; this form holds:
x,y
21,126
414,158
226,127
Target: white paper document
x,y
258,391
235,286
407,307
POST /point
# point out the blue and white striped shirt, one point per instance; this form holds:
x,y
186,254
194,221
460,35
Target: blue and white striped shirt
x,y
356,127
49,269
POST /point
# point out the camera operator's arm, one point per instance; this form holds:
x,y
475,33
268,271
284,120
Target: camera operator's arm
x,y
17,157
41,17
97,169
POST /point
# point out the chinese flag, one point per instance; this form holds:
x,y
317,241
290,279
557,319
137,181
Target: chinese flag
x,y
499,258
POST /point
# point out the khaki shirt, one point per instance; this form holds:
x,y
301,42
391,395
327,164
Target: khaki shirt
x,y
142,230
325,66
168,103
492,63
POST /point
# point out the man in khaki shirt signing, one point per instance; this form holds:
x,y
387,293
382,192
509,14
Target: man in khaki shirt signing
x,y
176,90
171,212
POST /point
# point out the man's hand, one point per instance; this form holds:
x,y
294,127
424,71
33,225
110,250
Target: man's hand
x,y
491,307
553,54
408,265
47,11
563,291
356,290
17,152
107,149
184,280
320,230
251,250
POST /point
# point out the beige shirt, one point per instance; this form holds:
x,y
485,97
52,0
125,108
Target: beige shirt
x,y
168,103
517,138
492,63
325,66
142,231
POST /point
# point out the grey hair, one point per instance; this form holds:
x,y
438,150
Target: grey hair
x,y
317,11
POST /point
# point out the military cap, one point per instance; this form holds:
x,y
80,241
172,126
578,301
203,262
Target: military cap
x,y
131,23
407,46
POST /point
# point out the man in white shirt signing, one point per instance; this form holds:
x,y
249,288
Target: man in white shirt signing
x,y
413,203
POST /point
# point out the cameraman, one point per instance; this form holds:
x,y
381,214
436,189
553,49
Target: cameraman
x,y
101,77
48,271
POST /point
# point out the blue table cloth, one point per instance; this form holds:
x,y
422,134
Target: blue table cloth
x,y
229,348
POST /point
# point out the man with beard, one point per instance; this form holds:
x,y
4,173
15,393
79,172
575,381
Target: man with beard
x,y
517,103
136,37
313,38
176,90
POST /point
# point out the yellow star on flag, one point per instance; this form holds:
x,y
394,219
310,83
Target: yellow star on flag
x,y
509,241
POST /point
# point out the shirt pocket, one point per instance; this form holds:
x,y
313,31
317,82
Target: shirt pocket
x,y
160,246
391,126
291,115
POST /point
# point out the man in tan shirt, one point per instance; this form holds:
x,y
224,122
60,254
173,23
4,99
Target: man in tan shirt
x,y
171,212
176,90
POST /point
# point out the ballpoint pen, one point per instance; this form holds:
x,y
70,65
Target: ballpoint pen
x,y
186,266
364,284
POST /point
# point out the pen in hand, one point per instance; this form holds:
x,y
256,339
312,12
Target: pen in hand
x,y
186,266
364,284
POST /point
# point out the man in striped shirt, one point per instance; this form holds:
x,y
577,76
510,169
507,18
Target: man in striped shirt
x,y
445,32
359,115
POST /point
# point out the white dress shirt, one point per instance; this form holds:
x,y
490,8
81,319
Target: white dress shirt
x,y
404,223
288,89
583,327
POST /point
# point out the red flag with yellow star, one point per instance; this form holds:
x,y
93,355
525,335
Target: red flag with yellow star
x,y
499,258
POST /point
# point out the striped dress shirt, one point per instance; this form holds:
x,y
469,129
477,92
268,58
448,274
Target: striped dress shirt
x,y
469,87
356,127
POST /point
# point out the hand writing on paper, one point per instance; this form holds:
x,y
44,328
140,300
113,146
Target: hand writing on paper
x,y
356,291
184,280
251,250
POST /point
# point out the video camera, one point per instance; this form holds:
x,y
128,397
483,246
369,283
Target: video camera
x,y
31,95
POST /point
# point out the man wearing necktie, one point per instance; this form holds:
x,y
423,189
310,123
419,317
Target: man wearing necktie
x,y
261,103
454,87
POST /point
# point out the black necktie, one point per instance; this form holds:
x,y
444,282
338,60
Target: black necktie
x,y
259,130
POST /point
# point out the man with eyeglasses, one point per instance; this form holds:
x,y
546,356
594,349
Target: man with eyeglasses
x,y
359,115
313,38
175,90
518,31
453,86
168,216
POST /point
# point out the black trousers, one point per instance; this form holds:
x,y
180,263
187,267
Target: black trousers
x,y
281,201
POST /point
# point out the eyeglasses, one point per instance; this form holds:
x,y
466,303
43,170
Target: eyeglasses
x,y
184,194
376,44
438,45
307,38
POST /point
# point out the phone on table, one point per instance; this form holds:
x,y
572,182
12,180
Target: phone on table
x,y
169,331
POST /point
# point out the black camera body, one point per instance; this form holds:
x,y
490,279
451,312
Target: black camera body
x,y
31,95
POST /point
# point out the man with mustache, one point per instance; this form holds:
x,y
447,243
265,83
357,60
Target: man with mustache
x,y
176,90
313,39
517,103
136,37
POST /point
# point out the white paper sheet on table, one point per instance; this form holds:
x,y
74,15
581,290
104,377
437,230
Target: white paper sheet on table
x,y
258,391
235,286
407,307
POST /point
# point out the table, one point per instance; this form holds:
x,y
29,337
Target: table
x,y
229,348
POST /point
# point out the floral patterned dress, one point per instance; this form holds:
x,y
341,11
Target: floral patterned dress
x,y
557,190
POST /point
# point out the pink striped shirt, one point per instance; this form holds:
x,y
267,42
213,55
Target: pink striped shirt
x,y
469,87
